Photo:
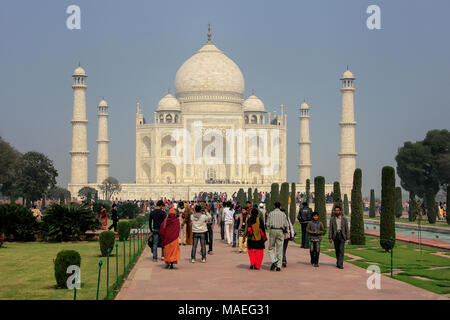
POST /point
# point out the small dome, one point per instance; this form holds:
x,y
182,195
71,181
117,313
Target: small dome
x,y
348,75
169,102
79,71
103,103
253,103
304,105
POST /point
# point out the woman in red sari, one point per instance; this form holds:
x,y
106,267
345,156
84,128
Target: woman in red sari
x,y
170,230
103,218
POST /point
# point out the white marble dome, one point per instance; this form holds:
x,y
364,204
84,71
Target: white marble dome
x,y
169,102
79,71
103,103
253,103
348,75
209,72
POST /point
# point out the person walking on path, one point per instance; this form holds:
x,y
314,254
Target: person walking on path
x,y
243,217
255,233
221,222
315,230
339,234
210,232
114,217
277,222
228,222
103,218
304,216
182,237
187,218
199,229
288,236
236,219
157,216
170,231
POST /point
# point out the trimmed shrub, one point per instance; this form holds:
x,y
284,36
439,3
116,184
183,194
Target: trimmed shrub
x,y
268,201
372,204
128,210
357,220
387,216
337,200
293,207
18,222
447,217
308,191
123,229
398,202
284,197
249,195
64,259
274,194
256,199
319,199
241,197
346,206
64,222
414,208
140,220
431,206
106,240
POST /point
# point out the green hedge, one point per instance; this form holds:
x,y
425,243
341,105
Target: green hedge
x,y
123,229
387,217
106,239
18,223
64,259
128,210
357,221
319,199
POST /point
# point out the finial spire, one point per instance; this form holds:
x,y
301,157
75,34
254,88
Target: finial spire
x,y
209,32
253,92
347,67
168,90
79,63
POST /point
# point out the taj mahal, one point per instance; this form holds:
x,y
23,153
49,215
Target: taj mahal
x,y
207,136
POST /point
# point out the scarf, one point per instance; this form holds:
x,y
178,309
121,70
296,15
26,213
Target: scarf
x,y
170,229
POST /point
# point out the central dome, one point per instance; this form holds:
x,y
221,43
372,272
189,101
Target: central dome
x,y
209,75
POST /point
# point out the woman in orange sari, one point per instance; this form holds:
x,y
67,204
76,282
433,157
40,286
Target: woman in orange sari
x,y
170,230
103,218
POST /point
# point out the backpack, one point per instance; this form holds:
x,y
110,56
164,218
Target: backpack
x,y
305,214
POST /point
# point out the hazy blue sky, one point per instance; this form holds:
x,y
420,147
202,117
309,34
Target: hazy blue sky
x,y
287,51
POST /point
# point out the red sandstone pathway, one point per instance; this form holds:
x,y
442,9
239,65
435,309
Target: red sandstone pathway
x,y
226,275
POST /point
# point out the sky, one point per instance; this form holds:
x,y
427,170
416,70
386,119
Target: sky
x,y
288,51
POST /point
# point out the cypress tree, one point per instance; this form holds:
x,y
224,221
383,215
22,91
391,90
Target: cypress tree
x,y
293,207
308,190
447,217
274,193
319,199
269,206
256,199
372,204
284,196
241,198
431,206
413,206
387,217
357,221
398,202
249,195
337,199
346,209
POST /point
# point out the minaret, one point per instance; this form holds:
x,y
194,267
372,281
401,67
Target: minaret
x,y
79,152
304,158
347,155
102,143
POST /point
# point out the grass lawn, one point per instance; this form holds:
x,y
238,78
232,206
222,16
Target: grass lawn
x,y
411,262
27,270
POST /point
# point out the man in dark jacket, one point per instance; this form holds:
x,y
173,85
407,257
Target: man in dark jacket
x,y
114,217
339,234
304,216
157,217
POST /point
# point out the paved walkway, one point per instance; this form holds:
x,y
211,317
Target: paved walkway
x,y
226,275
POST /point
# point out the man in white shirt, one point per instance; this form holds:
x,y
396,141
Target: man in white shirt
x,y
228,221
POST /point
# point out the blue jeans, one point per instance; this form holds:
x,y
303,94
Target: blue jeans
x,y
234,234
156,237
199,237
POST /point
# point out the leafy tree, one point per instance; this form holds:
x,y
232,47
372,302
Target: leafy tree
x,y
414,208
357,221
58,193
128,210
284,196
249,195
87,194
337,199
241,197
109,187
398,202
423,167
319,199
17,222
372,204
274,194
34,174
293,207
8,157
346,206
256,199
387,216
308,191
